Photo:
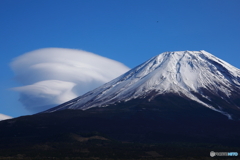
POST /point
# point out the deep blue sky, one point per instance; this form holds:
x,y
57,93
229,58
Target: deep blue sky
x,y
129,31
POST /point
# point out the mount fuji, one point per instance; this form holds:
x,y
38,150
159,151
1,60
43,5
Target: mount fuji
x,y
196,76
177,105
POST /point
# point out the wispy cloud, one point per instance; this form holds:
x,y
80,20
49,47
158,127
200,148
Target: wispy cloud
x,y
52,76
4,117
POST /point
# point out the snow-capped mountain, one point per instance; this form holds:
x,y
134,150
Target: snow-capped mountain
x,y
195,75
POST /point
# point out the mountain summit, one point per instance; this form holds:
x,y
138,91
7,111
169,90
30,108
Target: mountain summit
x,y
193,75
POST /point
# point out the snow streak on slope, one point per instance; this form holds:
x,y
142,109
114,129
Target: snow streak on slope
x,y
181,72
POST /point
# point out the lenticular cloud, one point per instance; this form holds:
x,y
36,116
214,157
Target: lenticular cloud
x,y
4,117
52,76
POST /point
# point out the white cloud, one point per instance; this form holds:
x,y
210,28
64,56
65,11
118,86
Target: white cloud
x,y
4,117
52,76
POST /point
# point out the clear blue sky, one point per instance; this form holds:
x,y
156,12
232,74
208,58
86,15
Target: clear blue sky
x,y
129,31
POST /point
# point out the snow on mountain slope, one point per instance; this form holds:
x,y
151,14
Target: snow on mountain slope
x,y
180,72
